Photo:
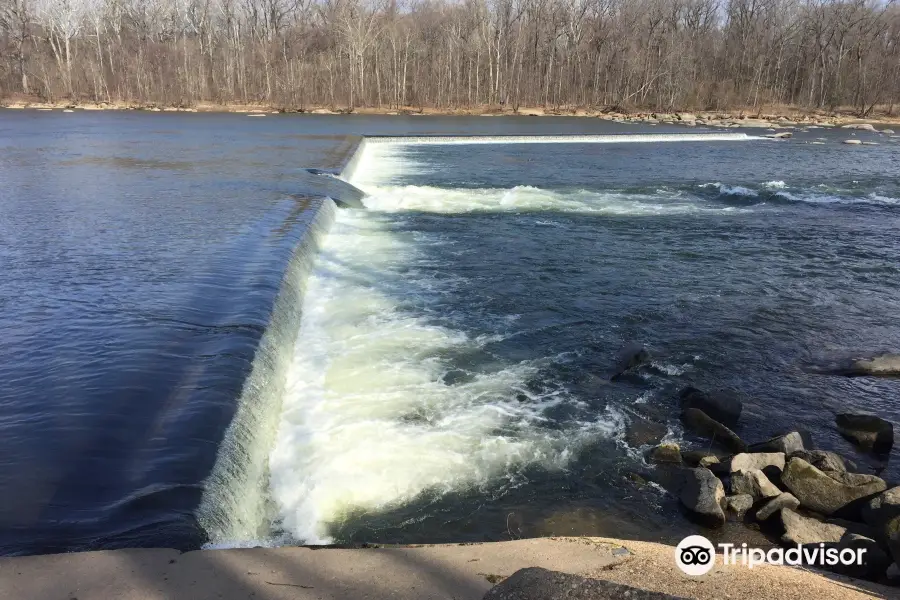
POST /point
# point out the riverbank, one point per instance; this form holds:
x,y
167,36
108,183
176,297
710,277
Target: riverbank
x,y
462,571
775,117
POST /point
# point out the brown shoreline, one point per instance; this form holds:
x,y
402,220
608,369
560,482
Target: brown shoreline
x,y
775,117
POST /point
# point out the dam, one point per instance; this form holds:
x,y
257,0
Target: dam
x,y
228,332
349,386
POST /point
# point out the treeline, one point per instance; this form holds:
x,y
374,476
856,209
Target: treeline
x,y
655,54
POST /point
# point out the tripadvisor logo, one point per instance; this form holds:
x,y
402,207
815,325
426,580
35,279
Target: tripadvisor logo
x,y
695,555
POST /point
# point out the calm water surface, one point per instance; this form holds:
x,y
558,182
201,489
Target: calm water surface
x,y
448,378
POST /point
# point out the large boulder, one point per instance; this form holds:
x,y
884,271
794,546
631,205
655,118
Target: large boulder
x,y
882,508
787,443
868,431
749,462
630,356
785,500
753,483
535,583
700,423
803,530
875,561
822,492
703,495
722,405
825,460
642,432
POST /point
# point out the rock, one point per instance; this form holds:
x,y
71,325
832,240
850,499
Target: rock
x,y
824,460
722,405
868,431
787,443
692,458
703,495
819,491
882,508
750,462
535,583
875,561
891,533
873,365
785,500
642,432
893,574
709,461
803,530
739,504
754,483
630,356
699,422
855,527
888,131
853,142
780,136
687,117
860,126
666,453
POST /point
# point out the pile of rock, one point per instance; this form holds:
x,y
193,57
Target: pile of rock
x,y
790,490
806,496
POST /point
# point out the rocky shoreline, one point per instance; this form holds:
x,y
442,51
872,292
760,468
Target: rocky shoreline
x,y
783,487
787,119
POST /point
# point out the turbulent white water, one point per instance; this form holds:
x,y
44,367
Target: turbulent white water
x,y
527,198
368,421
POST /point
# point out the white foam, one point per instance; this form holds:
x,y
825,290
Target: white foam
x,y
368,422
527,198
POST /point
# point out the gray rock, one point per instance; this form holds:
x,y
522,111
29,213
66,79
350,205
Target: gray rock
x,y
861,365
853,142
692,458
754,483
868,431
860,126
642,432
887,131
535,583
749,462
891,533
821,492
722,405
787,443
699,422
630,356
666,453
785,500
825,460
739,504
780,136
882,508
875,561
703,495
803,530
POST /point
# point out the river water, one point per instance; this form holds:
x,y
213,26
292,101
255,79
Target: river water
x,y
199,350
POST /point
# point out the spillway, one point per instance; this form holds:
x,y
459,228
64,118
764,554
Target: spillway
x,y
360,402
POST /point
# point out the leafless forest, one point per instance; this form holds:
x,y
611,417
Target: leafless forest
x,y
448,54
